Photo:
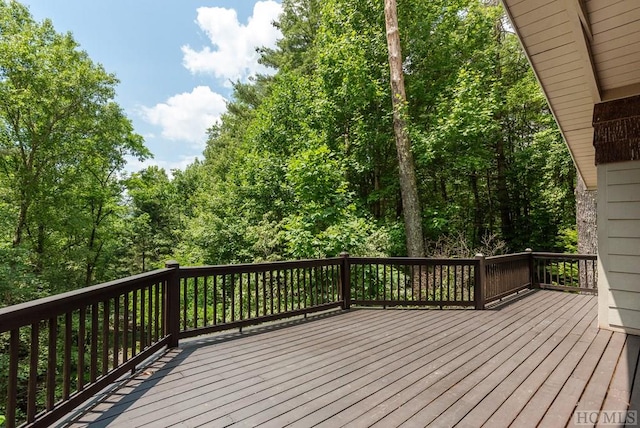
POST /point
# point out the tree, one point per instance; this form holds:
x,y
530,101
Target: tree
x,y
408,186
303,161
61,139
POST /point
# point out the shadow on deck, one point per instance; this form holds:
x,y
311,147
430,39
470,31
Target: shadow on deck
x,y
538,360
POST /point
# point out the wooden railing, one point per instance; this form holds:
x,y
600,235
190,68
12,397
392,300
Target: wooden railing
x,y
215,298
505,275
412,282
63,349
565,272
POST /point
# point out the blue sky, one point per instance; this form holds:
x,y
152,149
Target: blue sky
x,y
175,60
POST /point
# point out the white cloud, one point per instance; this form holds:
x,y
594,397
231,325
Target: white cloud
x,y
234,53
187,116
135,165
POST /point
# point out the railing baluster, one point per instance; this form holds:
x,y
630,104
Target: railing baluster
x,y
81,339
125,327
51,363
248,296
158,316
66,363
298,285
185,303
195,302
257,285
12,381
205,293
271,289
134,323
105,336
215,299
233,298
116,332
149,325
93,371
224,299
391,280
33,373
142,322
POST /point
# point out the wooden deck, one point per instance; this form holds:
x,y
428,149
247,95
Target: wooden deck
x,y
531,362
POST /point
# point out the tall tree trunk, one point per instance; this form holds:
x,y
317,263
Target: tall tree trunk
x,y
504,201
586,213
586,210
408,185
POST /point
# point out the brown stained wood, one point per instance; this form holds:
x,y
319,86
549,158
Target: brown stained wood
x,y
51,363
561,411
12,377
33,372
544,396
197,393
507,399
358,367
363,413
594,394
257,354
66,364
619,394
125,327
502,359
340,395
239,383
635,394
93,364
81,341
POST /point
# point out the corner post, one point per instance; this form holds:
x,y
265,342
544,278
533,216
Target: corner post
x,y
531,275
345,280
172,304
479,287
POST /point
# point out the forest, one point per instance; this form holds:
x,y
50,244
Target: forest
x,y
302,165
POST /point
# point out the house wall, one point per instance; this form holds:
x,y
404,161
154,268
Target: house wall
x,y
619,246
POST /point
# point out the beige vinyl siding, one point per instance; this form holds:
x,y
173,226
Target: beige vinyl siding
x,y
619,241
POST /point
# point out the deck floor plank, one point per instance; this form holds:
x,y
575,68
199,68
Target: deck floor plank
x,y
537,406
634,401
333,381
509,387
561,411
434,386
533,360
388,381
478,383
594,394
285,374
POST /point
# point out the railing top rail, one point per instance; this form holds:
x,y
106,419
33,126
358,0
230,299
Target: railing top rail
x,y
508,257
16,316
191,271
564,256
411,261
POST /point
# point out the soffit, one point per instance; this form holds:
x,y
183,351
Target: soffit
x,y
583,52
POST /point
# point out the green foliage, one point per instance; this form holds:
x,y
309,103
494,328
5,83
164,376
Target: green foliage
x,y
568,241
62,138
302,164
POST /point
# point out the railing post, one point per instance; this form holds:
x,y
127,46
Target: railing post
x,y
479,287
172,304
531,273
345,280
